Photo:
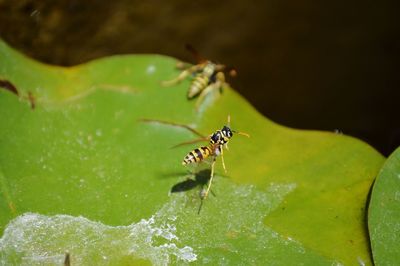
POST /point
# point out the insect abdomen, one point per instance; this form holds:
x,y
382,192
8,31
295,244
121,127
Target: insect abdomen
x,y
199,83
197,155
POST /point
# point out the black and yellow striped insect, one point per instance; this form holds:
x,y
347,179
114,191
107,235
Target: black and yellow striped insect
x,y
207,77
215,148
217,142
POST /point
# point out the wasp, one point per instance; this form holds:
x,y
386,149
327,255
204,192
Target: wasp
x,y
208,76
217,141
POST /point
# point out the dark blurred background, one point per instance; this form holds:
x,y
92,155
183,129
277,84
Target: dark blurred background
x,y
327,65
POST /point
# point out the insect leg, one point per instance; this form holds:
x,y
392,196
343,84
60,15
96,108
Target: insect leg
x,y
182,75
182,65
217,85
176,80
67,259
222,158
220,76
205,92
211,178
201,205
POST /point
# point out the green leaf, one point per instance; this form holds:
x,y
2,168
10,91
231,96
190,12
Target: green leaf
x,y
80,173
384,213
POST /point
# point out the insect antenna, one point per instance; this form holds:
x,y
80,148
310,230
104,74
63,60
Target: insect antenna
x,y
237,132
241,133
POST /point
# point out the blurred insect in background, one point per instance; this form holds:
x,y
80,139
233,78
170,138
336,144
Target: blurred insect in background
x,y
207,76
216,144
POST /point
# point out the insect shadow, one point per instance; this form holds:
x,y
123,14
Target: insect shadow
x,y
200,180
67,259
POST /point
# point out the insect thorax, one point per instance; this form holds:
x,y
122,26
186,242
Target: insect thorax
x,y
221,137
209,69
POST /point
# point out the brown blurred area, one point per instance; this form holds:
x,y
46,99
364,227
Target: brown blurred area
x,y
304,64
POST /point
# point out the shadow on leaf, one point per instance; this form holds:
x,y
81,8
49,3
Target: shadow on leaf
x,y
200,179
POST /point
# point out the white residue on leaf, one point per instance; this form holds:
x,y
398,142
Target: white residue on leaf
x,y
360,261
150,69
229,230
43,240
397,195
99,132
